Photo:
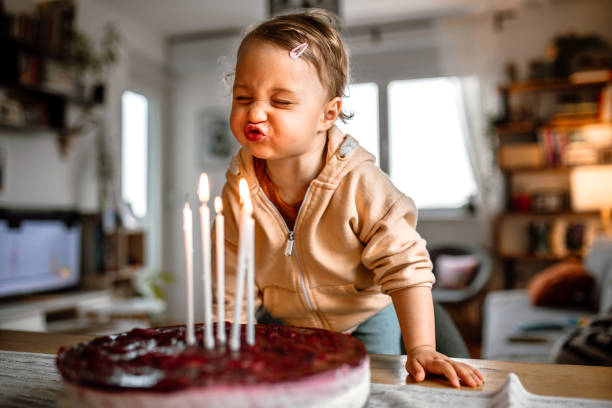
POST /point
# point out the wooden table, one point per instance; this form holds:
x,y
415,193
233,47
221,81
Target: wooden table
x,y
544,379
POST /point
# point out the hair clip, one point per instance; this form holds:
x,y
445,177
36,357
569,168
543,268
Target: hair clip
x,y
297,51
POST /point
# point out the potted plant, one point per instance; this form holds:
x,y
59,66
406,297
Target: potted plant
x,y
90,62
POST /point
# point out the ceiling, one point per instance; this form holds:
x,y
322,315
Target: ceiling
x,y
179,17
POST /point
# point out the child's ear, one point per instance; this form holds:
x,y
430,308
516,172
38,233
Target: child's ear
x,y
331,112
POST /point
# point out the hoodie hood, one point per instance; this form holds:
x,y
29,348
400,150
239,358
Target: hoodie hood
x,y
343,154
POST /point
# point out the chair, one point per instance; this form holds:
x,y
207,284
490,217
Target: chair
x,y
515,329
477,283
460,307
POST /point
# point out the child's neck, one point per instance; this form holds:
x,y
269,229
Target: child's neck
x,y
292,176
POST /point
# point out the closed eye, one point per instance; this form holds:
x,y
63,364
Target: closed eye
x,y
242,99
282,102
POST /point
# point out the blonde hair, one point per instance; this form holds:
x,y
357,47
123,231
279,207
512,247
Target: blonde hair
x,y
326,51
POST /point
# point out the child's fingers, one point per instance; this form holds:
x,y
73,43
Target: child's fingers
x,y
439,366
415,369
476,379
476,374
465,373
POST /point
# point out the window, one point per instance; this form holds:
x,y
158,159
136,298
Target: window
x,y
428,159
134,151
362,100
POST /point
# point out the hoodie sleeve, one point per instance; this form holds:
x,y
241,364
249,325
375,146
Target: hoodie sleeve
x,y
393,249
231,211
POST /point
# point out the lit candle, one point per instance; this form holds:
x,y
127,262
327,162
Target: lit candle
x,y
250,260
220,249
188,232
250,232
241,265
204,194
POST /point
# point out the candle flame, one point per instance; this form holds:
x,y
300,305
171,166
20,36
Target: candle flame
x,y
218,205
243,189
203,189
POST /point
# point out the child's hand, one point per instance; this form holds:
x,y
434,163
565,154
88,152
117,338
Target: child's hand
x,y
425,359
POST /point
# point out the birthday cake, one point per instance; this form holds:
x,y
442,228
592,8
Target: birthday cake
x,y
287,367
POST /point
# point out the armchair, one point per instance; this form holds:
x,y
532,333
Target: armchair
x,y
480,277
516,330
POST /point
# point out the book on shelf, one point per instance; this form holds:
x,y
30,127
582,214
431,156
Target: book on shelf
x,y
48,27
573,147
581,153
56,20
29,69
553,143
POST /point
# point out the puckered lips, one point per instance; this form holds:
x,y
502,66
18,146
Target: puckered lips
x,y
254,133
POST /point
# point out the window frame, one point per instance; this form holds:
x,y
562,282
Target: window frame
x,y
454,213
439,212
147,151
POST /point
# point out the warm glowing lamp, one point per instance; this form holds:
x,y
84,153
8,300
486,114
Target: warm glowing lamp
x,y
591,189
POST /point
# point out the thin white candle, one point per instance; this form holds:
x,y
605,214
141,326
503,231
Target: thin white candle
x,y
204,194
240,269
220,256
188,233
250,286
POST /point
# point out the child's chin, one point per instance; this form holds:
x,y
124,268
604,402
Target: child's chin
x,y
258,153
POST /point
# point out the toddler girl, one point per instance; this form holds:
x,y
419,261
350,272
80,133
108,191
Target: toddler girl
x,y
335,241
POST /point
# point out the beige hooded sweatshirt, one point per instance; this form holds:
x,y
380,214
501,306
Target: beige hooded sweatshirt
x,y
353,244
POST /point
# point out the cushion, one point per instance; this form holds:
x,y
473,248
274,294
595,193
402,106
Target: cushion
x,y
455,271
565,283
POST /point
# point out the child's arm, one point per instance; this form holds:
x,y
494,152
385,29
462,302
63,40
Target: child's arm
x,y
414,308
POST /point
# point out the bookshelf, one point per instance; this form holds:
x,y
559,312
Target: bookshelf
x,y
548,128
37,84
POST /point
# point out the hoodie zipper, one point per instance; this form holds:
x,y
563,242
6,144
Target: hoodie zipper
x,y
290,246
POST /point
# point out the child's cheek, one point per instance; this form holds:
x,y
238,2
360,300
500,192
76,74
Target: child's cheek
x,y
235,125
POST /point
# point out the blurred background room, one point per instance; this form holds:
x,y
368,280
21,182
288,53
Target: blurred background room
x,y
495,116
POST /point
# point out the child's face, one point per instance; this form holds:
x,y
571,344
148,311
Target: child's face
x,y
280,108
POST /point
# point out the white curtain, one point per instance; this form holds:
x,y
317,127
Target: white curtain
x,y
481,151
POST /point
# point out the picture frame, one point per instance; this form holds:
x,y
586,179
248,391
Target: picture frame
x,y
216,144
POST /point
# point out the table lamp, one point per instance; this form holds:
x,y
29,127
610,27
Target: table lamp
x,y
591,189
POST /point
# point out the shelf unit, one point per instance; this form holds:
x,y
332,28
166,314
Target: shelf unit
x,y
124,256
543,135
38,312
111,259
36,85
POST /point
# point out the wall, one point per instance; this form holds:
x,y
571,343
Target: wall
x,y
198,89
37,176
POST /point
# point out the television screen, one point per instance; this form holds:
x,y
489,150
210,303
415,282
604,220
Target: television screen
x,y
39,251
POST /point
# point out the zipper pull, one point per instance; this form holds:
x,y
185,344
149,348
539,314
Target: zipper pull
x,y
289,246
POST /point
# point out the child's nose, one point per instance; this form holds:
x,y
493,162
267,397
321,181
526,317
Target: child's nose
x,y
257,112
